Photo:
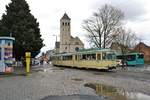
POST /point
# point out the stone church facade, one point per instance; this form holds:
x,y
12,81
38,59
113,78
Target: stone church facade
x,y
67,42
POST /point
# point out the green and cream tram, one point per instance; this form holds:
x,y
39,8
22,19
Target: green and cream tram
x,y
96,59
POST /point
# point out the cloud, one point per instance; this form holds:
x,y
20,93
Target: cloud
x,y
133,9
48,14
3,3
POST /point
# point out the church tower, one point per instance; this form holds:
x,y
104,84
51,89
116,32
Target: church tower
x,y
65,33
67,42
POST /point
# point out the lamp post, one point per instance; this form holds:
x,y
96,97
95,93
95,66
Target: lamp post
x,y
56,37
55,43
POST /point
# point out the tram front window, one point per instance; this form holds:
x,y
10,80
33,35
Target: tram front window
x,y
140,56
131,57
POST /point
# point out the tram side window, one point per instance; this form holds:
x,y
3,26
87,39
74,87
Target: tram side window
x,y
104,56
98,56
53,58
57,58
89,57
70,58
76,57
64,57
67,57
80,57
84,57
109,56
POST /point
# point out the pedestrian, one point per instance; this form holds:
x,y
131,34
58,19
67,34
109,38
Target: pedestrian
x,y
123,64
41,61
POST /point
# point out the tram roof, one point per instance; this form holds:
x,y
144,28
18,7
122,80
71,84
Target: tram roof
x,y
85,51
132,53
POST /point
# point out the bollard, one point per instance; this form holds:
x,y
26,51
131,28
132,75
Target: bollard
x,y
28,55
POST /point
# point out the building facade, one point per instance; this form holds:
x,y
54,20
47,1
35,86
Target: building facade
x,y
67,42
143,48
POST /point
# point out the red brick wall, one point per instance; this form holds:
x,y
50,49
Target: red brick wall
x,y
142,48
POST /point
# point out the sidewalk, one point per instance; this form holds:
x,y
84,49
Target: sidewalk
x,y
21,71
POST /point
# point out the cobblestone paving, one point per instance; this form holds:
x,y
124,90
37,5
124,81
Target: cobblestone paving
x,y
61,81
40,84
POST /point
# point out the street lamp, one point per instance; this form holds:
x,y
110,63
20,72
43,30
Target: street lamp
x,y
55,43
56,37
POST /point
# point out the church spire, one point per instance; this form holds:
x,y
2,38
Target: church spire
x,y
65,16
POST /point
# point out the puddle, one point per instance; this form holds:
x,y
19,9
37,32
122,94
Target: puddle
x,y
115,93
77,79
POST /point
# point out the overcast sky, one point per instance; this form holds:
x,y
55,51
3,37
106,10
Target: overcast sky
x,y
49,12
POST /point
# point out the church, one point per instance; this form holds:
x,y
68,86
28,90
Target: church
x,y
67,42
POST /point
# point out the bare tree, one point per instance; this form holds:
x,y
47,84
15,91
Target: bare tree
x,y
101,25
124,39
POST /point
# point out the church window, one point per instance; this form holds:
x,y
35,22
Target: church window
x,y
65,47
76,43
68,24
63,23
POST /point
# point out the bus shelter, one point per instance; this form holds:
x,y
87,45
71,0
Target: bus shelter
x,y
6,54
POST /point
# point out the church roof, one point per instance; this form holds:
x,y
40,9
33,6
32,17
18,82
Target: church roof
x,y
76,39
65,16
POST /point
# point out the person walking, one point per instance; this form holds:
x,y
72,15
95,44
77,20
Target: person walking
x,y
123,62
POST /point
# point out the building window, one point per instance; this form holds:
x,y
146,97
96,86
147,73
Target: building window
x,y
65,47
0,53
68,24
9,43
